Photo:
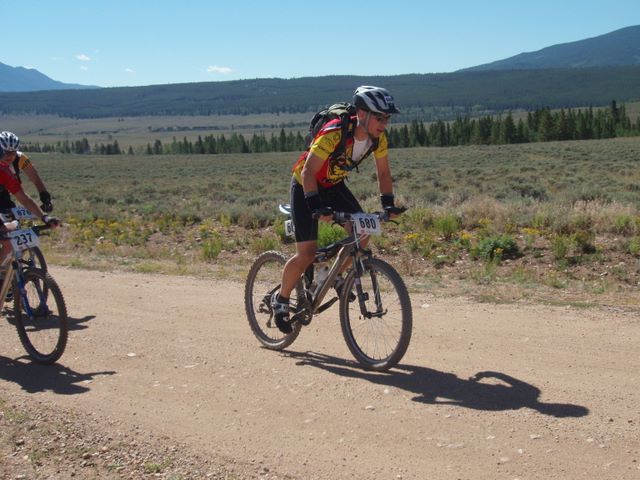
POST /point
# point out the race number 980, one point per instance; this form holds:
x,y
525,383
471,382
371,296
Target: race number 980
x,y
366,223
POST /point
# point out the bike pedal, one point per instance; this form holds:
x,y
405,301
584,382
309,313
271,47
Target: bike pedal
x,y
302,318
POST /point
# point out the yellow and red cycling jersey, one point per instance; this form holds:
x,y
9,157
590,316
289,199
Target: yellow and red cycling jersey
x,y
22,161
8,180
335,167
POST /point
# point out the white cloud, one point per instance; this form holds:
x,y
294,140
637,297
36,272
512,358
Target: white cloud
x,y
217,69
129,70
83,58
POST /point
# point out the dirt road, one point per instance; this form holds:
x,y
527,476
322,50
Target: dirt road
x,y
485,391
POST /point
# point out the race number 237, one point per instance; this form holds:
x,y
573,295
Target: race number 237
x,y
23,239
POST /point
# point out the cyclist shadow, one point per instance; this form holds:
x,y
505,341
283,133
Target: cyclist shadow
x,y
74,323
80,323
487,390
56,378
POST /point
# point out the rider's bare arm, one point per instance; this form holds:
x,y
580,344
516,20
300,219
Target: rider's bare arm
x,y
311,166
35,178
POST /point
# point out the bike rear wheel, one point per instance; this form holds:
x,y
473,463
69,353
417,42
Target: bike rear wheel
x,y
379,337
263,280
41,316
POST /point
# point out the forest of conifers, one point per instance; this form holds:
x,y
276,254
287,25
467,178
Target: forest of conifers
x,y
540,125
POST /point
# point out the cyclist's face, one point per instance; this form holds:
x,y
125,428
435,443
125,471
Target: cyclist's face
x,y
377,123
8,156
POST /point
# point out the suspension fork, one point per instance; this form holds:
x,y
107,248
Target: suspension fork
x,y
358,258
360,271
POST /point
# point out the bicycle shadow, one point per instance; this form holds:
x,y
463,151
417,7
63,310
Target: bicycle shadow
x,y
80,323
74,323
487,390
56,378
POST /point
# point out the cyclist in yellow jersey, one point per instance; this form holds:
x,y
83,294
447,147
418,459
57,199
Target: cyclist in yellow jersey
x,y
19,162
318,188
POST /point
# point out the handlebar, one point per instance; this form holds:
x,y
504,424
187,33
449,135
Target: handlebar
x,y
40,228
384,216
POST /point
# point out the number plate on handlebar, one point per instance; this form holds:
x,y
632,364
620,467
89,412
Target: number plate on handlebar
x,y
366,223
21,213
23,239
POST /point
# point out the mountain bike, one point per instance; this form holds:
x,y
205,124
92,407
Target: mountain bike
x,y
33,256
39,310
375,310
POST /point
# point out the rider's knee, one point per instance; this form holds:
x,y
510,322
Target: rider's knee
x,y
306,258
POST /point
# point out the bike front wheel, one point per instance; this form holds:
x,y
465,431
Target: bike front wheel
x,y
262,282
377,324
41,316
35,258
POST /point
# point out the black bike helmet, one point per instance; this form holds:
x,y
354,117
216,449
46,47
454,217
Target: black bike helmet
x,y
374,99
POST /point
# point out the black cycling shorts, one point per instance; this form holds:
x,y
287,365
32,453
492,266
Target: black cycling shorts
x,y
338,197
6,203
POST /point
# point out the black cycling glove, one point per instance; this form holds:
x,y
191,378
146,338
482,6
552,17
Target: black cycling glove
x,y
45,198
316,205
387,200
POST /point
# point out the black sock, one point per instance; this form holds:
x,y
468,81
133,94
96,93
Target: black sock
x,y
281,299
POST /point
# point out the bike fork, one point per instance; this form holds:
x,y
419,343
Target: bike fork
x,y
364,296
22,291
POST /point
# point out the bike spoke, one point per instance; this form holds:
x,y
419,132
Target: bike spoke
x,y
263,281
378,335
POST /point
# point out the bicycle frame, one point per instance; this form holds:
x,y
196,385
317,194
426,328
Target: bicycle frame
x,y
374,305
11,269
351,249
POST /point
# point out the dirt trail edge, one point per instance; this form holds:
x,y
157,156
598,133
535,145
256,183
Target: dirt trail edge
x,y
167,370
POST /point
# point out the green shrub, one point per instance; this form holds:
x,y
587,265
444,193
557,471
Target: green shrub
x,y
263,244
633,247
328,234
584,241
623,224
278,228
211,247
496,247
447,226
561,245
416,219
422,243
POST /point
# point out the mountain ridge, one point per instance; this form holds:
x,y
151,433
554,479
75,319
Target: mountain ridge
x,y
21,79
500,88
618,48
418,95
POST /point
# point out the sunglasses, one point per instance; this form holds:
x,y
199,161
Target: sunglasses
x,y
381,117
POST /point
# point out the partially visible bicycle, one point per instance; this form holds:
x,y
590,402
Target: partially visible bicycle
x,y
39,310
375,309
32,256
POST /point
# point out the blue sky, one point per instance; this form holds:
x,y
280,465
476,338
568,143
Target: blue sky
x,y
144,42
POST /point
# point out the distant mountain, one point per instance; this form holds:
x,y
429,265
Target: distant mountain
x,y
417,95
618,48
20,79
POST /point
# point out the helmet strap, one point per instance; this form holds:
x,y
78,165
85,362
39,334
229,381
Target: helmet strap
x,y
365,123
